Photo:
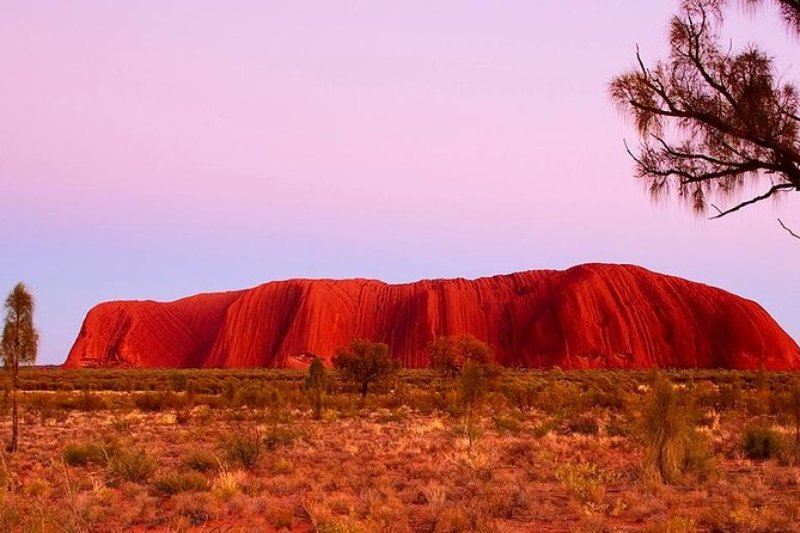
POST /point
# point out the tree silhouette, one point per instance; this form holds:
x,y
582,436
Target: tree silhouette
x,y
713,123
363,362
18,346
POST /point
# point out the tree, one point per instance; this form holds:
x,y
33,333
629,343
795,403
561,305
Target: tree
x,y
450,354
712,122
363,362
18,347
316,383
474,382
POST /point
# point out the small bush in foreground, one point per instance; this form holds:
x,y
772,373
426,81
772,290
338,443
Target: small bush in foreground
x,y
134,466
585,425
761,442
202,461
280,517
176,482
279,437
673,447
81,454
242,448
584,481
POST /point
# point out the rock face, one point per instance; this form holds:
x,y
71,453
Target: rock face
x,y
589,316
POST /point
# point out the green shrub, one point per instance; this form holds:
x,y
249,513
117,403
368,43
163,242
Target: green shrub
x,y
279,437
149,402
507,424
541,430
177,381
81,454
176,482
280,517
135,466
202,461
584,481
585,425
242,448
761,442
315,386
364,362
673,447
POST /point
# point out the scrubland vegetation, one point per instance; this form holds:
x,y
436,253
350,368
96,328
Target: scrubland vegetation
x,y
271,450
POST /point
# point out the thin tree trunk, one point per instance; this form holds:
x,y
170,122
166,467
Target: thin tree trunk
x,y
14,444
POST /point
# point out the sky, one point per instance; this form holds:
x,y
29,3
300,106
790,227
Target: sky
x,y
157,149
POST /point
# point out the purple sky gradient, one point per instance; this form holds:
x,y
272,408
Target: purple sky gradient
x,y
158,149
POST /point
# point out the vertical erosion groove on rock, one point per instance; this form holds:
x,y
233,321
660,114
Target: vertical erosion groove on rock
x,y
589,316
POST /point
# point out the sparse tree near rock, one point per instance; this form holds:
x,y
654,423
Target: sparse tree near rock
x,y
363,362
449,355
18,347
475,380
713,122
316,383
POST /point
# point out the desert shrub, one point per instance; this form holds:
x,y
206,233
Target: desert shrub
x,y
135,466
183,416
201,460
730,394
473,385
585,481
149,402
121,425
761,442
315,386
90,401
177,381
257,396
508,501
278,437
227,483
242,448
175,482
522,395
282,466
673,447
81,454
541,430
585,425
449,355
280,517
507,424
195,507
364,362
618,427
678,524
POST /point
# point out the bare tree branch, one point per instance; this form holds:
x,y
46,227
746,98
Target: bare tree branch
x,y
792,233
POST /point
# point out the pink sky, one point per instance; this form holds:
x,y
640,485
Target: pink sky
x,y
157,149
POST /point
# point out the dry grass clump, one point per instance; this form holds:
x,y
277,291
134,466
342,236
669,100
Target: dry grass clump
x,y
242,448
762,442
82,454
280,517
174,482
201,460
135,466
228,483
584,481
673,447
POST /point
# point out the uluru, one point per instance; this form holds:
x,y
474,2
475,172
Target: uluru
x,y
588,316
